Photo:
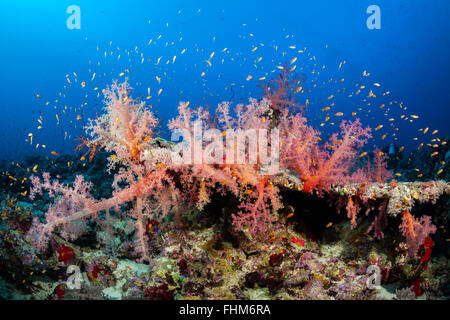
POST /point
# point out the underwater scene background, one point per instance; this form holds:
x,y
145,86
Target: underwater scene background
x,y
339,110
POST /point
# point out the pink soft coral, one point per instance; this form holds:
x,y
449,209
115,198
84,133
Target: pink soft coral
x,y
280,91
299,144
381,172
416,231
125,129
230,172
155,184
373,172
333,166
255,215
75,204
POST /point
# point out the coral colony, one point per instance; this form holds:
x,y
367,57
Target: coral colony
x,y
221,211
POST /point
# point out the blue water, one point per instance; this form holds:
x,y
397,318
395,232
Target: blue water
x,y
408,56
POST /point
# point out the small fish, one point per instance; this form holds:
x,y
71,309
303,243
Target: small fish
x,y
54,153
379,127
434,153
339,114
363,154
329,225
83,84
398,174
161,165
248,77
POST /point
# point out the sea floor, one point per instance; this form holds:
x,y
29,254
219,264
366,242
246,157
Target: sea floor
x,y
200,259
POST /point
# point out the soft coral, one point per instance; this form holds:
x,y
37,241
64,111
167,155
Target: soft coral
x,y
416,231
126,129
333,167
256,214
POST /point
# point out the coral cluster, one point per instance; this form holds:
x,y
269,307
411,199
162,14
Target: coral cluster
x,y
152,187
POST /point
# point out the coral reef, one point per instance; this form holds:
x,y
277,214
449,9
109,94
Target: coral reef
x,y
197,219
